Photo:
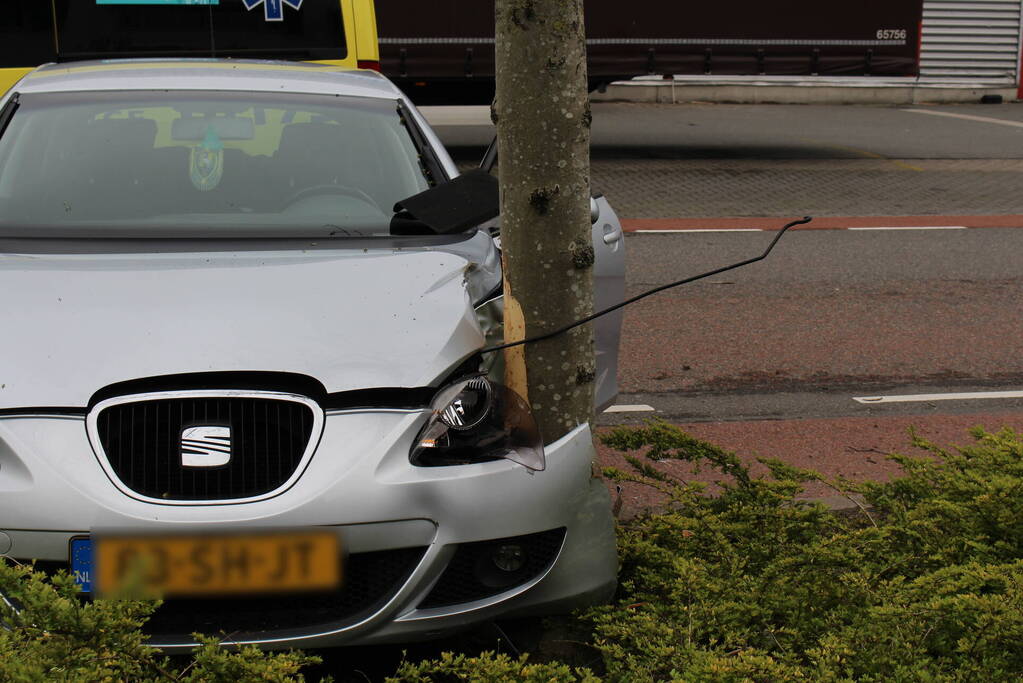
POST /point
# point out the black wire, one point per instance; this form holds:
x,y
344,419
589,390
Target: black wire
x,y
577,323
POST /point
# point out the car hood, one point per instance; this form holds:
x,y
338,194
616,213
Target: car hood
x,y
352,319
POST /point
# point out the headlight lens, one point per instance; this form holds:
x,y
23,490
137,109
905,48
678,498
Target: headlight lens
x,y
476,420
469,407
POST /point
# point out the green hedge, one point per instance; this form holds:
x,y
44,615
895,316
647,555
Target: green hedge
x,y
923,582
55,636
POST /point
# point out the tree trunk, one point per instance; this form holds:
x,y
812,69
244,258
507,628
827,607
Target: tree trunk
x,y
542,113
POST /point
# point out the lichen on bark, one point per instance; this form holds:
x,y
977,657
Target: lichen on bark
x,y
542,113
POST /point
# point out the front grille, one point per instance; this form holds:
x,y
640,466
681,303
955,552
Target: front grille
x,y
369,581
471,574
142,441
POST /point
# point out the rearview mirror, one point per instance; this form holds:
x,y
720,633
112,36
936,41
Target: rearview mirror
x,y
226,129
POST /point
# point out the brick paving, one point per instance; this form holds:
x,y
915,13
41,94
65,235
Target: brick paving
x,y
711,188
691,188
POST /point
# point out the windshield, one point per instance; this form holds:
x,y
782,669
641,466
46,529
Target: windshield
x,y
170,162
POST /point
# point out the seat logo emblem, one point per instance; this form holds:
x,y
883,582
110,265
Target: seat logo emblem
x,y
206,446
273,10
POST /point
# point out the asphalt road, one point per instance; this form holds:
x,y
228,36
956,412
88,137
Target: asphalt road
x,y
829,316
769,360
789,357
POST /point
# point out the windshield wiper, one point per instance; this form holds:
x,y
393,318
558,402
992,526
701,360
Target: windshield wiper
x,y
7,113
431,164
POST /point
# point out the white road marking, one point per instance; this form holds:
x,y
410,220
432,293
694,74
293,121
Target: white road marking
x,y
916,227
967,117
657,232
639,408
914,398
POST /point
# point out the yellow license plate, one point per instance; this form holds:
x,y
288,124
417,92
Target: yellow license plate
x,y
209,565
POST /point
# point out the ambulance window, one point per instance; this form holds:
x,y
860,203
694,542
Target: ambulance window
x,y
314,31
90,30
26,33
140,29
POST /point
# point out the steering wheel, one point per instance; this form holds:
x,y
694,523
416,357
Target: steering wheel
x,y
330,188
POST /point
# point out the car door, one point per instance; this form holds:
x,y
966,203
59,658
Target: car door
x,y
609,289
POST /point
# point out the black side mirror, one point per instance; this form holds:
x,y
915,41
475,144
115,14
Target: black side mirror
x,y
452,207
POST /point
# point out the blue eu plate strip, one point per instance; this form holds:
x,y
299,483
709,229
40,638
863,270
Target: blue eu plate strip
x,y
81,563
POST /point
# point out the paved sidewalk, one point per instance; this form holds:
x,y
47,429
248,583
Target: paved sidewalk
x,y
800,90
665,161
710,188
688,188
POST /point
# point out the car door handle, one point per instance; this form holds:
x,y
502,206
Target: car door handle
x,y
611,235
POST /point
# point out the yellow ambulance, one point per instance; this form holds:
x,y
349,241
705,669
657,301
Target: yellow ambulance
x,y
34,32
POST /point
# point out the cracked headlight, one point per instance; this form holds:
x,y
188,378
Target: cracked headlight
x,y
476,420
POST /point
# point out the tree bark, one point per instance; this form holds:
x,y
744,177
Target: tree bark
x,y
542,113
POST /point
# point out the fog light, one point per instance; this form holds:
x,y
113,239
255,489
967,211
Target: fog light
x,y
509,558
483,569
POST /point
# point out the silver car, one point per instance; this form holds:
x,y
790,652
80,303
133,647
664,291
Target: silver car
x,y
224,374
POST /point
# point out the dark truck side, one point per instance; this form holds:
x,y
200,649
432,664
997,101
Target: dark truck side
x,y
444,50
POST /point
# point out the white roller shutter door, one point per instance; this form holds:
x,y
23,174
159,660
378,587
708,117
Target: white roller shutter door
x,y
976,40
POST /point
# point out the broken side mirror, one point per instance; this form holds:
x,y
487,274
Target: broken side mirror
x,y
457,205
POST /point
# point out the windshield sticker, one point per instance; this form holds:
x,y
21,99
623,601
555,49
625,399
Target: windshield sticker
x,y
206,162
273,10
157,2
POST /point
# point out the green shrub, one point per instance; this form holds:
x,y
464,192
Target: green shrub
x,y
750,584
489,668
923,583
55,636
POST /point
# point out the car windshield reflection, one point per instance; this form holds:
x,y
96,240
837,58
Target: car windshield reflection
x,y
161,161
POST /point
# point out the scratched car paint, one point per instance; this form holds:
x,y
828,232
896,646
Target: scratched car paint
x,y
216,336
